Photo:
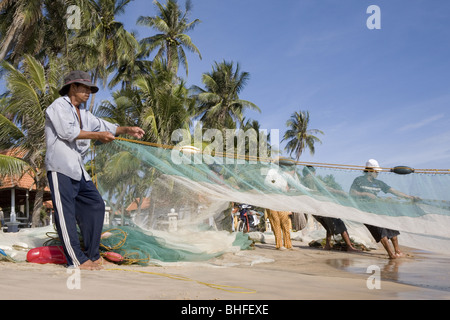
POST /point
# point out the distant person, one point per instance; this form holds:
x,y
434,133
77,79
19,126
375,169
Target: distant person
x,y
280,221
234,217
2,218
69,128
368,186
332,225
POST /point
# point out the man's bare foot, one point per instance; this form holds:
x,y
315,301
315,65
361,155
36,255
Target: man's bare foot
x,y
90,265
102,261
352,249
392,255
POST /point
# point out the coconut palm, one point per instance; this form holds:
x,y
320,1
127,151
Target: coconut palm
x,y
122,177
103,41
128,68
219,104
172,25
118,178
20,27
262,139
165,105
122,110
34,27
57,35
298,136
31,90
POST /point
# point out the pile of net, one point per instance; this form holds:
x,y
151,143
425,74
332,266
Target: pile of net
x,y
133,245
136,246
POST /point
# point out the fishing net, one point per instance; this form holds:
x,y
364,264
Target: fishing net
x,y
182,196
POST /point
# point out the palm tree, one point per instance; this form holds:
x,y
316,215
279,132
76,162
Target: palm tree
x,y
172,24
219,104
299,136
165,106
103,41
31,90
123,110
262,139
57,36
118,178
19,25
33,27
128,68
123,177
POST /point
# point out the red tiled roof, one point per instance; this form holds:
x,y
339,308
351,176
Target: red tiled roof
x,y
26,181
134,205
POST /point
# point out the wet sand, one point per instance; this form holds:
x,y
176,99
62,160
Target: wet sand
x,y
421,269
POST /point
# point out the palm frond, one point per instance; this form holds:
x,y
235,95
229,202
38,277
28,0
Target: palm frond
x,y
11,166
10,133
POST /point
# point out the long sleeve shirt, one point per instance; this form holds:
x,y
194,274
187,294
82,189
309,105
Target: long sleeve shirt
x,y
65,152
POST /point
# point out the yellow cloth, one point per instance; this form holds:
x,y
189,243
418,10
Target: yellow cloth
x,y
280,223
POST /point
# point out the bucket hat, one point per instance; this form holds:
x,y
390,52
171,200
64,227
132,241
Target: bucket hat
x,y
77,76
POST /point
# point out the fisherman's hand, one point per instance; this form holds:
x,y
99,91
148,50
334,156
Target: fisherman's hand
x,y
132,131
105,136
135,132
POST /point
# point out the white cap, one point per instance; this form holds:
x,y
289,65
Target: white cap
x,y
373,164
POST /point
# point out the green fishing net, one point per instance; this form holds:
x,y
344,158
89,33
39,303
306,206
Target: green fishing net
x,y
143,184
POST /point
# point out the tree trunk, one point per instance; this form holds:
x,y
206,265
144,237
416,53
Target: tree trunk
x,y
38,200
91,106
12,32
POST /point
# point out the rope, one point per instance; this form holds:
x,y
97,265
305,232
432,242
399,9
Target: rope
x,y
294,162
182,278
127,257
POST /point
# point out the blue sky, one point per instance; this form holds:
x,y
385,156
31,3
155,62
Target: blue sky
x,y
380,93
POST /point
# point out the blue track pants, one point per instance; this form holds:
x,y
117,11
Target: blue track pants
x,y
77,203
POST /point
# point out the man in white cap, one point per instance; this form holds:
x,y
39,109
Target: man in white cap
x,y
69,127
368,186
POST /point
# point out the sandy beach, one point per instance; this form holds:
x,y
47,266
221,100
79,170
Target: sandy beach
x,y
264,273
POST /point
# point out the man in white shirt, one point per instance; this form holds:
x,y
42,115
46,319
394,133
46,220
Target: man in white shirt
x,y
69,127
